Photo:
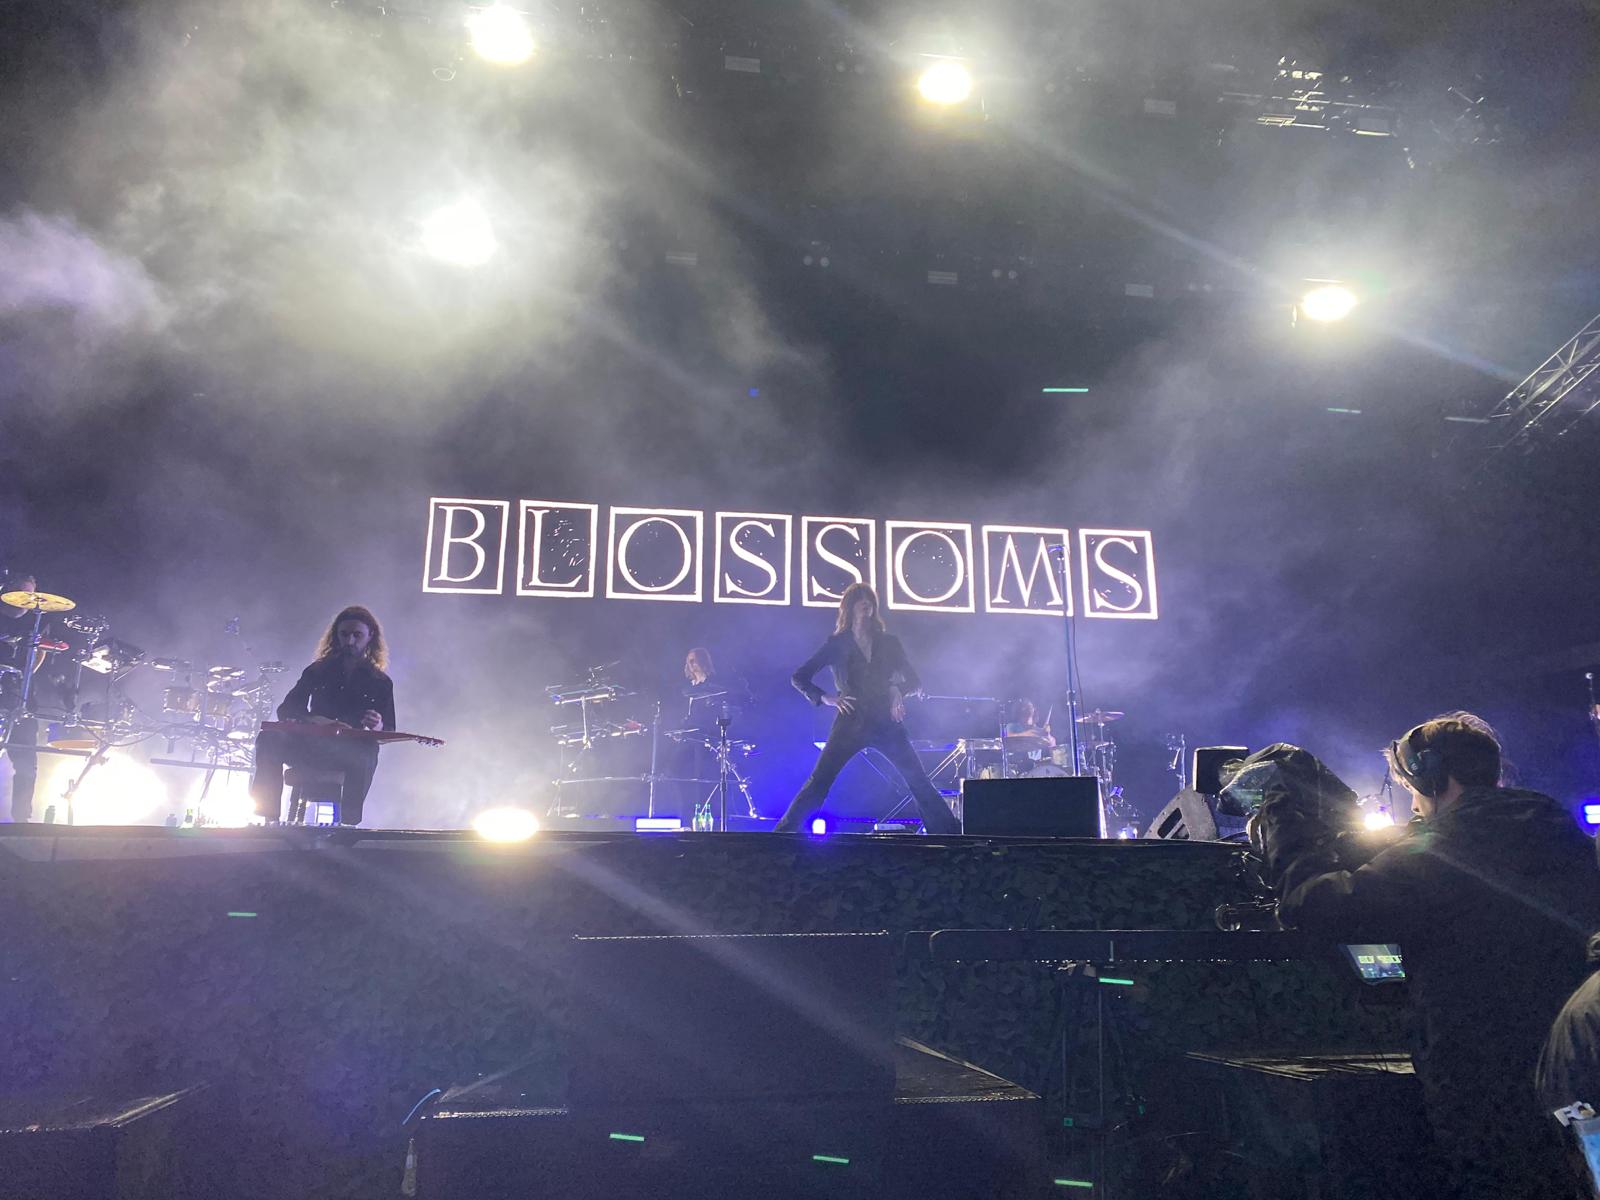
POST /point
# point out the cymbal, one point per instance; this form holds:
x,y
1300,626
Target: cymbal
x,y
44,601
1100,717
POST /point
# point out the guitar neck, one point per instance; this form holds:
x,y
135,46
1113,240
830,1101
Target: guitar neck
x,y
376,737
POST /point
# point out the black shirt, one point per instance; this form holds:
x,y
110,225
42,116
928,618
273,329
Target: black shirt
x,y
854,675
326,689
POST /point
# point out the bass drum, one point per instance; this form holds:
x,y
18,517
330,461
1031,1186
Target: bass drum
x,y
1048,770
60,736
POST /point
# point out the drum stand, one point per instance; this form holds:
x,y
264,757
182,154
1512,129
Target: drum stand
x,y
32,655
723,749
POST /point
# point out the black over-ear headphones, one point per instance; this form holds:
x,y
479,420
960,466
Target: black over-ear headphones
x,y
1422,770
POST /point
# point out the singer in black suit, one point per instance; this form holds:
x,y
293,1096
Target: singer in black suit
x,y
872,677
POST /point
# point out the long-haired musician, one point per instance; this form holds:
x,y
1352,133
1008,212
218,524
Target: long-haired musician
x,y
871,680
347,684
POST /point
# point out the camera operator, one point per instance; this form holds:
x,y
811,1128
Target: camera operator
x,y
1491,894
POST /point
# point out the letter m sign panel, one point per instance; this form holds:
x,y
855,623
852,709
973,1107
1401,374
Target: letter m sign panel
x,y
1024,567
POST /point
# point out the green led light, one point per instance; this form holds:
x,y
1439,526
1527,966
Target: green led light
x,y
1064,391
241,914
830,1158
626,1137
1073,1183
1118,982
1067,1122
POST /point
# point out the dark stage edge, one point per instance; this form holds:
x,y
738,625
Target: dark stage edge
x,y
329,978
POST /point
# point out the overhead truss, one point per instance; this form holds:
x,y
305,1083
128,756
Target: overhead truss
x,y
1558,394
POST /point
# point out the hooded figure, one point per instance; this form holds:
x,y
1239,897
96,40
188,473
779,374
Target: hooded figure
x,y
1492,897
1568,1078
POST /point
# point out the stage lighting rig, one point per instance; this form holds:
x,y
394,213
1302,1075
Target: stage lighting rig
x,y
1326,302
459,234
506,824
501,35
1558,394
945,82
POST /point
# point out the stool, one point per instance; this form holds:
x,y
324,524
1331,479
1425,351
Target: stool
x,y
315,785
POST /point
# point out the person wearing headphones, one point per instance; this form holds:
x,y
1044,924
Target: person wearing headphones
x,y
1491,894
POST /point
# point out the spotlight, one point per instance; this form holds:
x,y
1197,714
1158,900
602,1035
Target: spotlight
x,y
1591,813
819,825
118,791
460,234
1378,818
506,824
946,82
1329,302
500,35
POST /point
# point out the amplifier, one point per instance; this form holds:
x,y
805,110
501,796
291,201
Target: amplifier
x,y
1065,807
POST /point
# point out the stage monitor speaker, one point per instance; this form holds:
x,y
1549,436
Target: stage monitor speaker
x,y
1065,806
1205,768
792,1016
1187,817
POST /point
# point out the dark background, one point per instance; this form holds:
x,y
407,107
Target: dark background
x,y
231,380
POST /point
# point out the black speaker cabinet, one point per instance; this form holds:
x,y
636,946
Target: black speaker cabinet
x,y
1067,806
169,1146
731,1017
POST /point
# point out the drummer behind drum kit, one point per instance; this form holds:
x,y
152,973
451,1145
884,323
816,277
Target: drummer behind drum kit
x,y
588,745
214,709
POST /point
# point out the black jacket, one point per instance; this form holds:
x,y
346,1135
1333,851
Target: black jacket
x,y
326,689
854,675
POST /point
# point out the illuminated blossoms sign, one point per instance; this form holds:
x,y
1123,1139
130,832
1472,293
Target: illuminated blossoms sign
x,y
570,550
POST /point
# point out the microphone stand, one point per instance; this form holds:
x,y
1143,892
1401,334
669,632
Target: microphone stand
x,y
1069,628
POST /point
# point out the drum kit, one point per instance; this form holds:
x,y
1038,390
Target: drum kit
x,y
1031,753
216,710
599,768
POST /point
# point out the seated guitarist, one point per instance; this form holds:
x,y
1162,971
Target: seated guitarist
x,y
346,684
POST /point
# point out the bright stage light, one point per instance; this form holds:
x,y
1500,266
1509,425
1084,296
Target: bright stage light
x,y
460,234
819,825
1378,818
1330,302
945,82
117,791
232,810
500,35
506,824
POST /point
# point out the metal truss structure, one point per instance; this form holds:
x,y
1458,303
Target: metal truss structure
x,y
1558,394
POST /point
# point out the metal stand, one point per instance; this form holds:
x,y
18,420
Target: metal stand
x,y
655,752
32,657
95,759
1069,628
